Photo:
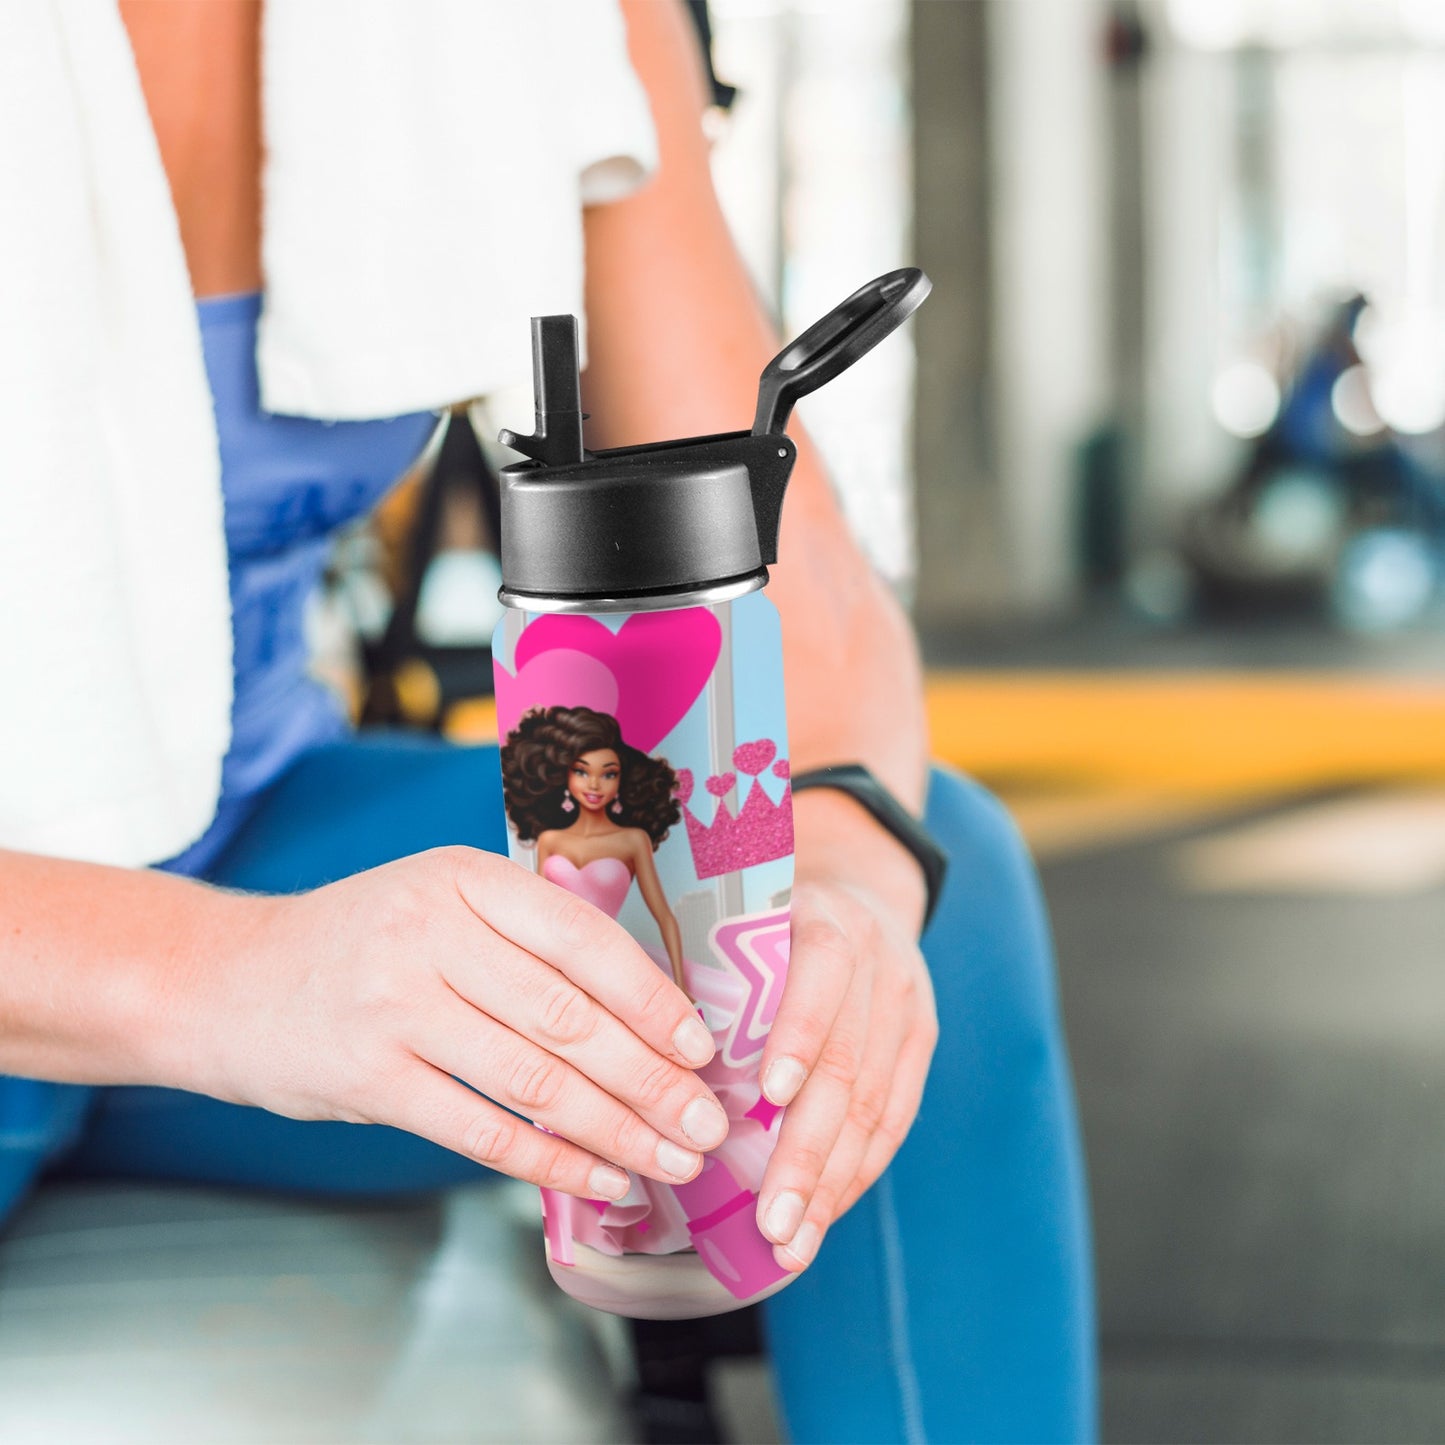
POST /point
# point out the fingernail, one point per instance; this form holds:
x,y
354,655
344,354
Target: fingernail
x,y
704,1123
608,1183
804,1244
784,1216
673,1159
693,1041
783,1080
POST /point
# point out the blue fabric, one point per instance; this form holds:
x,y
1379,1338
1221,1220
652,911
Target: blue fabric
x,y
958,1292
953,1303
287,483
39,1122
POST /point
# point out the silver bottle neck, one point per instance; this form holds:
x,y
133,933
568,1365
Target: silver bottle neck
x,y
652,602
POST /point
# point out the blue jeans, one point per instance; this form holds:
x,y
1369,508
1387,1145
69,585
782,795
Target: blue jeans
x,y
953,1303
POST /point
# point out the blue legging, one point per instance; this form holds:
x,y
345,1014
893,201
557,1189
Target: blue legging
x,y
953,1303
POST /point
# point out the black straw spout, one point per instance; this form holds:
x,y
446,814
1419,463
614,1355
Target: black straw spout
x,y
557,390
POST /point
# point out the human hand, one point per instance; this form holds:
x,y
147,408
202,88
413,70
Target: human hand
x,y
367,1000
855,1030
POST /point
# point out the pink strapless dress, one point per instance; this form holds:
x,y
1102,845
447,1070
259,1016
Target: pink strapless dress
x,y
714,1213
603,882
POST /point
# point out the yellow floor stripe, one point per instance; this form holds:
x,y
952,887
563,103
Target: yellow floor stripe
x,y
472,721
1221,732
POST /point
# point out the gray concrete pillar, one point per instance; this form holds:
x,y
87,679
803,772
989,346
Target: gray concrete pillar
x,y
961,560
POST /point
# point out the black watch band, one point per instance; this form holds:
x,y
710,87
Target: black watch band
x,y
865,790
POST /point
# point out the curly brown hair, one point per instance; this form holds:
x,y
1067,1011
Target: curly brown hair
x,y
539,753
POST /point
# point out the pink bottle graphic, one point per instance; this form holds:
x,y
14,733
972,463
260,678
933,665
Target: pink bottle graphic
x,y
645,765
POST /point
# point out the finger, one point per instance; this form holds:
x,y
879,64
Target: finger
x,y
903,1000
542,1004
810,1127
549,1091
891,1026
827,1204
888,1027
590,948
898,1116
435,1107
820,972
799,1250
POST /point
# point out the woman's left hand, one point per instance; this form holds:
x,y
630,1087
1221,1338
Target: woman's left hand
x,y
856,1027
857,1011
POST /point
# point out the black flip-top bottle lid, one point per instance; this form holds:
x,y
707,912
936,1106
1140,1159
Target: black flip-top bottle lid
x,y
657,525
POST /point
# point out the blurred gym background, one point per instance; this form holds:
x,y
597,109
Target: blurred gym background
x,y
1161,472
1163,479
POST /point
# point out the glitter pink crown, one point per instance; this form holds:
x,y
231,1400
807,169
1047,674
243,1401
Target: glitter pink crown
x,y
762,829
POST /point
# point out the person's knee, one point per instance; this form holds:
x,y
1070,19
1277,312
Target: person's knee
x,y
988,945
988,859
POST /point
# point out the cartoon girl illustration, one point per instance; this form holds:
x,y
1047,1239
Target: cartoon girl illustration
x,y
596,808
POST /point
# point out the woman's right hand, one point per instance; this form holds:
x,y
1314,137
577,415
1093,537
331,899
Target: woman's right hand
x,y
368,999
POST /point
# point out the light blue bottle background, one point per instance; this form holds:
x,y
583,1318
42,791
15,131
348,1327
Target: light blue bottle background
x,y
743,702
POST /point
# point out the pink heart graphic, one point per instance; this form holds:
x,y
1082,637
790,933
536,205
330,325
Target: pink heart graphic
x,y
721,784
752,758
561,678
659,662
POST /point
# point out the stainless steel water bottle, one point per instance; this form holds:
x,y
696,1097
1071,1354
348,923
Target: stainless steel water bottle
x,y
645,764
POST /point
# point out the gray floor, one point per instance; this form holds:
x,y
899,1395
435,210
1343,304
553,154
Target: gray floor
x,y
149,1315
1108,636
1262,1081
139,1315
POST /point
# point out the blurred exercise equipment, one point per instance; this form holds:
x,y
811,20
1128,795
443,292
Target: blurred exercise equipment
x,y
1332,511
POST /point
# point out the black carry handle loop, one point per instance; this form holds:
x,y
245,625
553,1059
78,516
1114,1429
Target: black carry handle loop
x,y
830,346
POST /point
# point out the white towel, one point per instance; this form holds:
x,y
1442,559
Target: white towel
x,y
458,136
427,164
115,677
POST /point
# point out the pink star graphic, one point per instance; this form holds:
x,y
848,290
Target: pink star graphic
x,y
764,1111
756,947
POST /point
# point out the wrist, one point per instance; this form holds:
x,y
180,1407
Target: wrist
x,y
198,996
103,971
838,841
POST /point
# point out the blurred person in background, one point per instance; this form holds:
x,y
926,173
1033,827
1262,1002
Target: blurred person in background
x,y
433,175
